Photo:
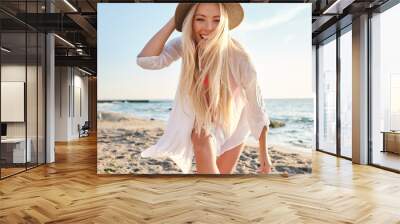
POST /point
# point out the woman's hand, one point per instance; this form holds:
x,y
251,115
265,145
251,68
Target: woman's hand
x,y
265,160
265,165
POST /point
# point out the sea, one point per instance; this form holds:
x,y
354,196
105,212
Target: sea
x,y
297,114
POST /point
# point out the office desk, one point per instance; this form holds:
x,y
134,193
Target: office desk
x,y
17,150
391,141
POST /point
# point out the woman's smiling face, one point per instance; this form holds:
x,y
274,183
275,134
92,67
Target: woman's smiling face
x,y
205,20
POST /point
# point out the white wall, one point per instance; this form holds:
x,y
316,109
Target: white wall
x,y
14,73
33,125
17,73
80,110
70,83
61,103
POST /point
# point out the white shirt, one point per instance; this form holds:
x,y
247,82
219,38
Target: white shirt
x,y
249,112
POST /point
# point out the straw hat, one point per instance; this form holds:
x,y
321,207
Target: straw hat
x,y
235,14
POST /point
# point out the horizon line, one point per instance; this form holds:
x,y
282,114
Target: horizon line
x,y
149,100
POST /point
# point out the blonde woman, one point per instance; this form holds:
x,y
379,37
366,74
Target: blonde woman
x,y
218,102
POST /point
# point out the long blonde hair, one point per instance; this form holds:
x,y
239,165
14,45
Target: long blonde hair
x,y
217,109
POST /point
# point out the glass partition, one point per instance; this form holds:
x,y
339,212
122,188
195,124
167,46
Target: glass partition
x,y
14,154
385,96
23,91
346,94
41,109
31,100
327,96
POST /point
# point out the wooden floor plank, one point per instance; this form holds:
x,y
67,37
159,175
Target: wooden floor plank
x,y
70,191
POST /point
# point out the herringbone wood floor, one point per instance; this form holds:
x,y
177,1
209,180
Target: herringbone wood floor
x,y
69,191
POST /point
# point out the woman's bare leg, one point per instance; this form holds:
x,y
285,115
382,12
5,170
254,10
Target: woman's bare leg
x,y
227,161
205,154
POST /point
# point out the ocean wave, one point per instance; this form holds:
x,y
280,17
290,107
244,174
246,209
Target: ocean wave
x,y
293,119
304,120
296,114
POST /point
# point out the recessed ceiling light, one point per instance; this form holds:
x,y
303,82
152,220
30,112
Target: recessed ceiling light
x,y
84,71
64,40
5,50
338,6
71,6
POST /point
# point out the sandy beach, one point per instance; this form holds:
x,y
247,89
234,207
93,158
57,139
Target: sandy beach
x,y
121,139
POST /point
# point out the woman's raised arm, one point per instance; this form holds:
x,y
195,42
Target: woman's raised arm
x,y
158,54
156,44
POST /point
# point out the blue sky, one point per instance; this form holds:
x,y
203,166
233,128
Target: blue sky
x,y
277,36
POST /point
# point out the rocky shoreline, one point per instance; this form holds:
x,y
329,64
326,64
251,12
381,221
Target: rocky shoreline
x,y
122,138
